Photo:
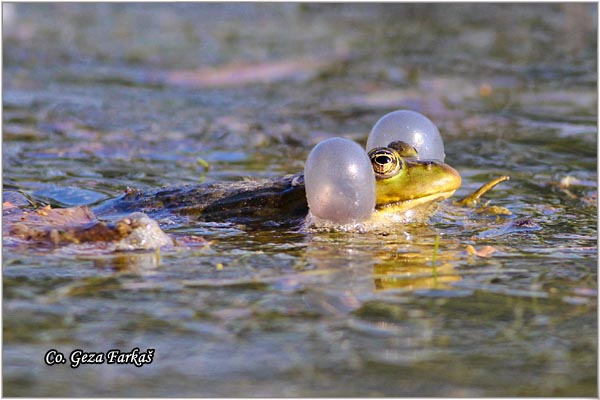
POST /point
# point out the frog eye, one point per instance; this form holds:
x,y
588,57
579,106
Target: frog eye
x,y
385,162
383,159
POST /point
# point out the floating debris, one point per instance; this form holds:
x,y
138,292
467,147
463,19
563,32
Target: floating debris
x,y
569,181
484,252
77,225
515,226
493,210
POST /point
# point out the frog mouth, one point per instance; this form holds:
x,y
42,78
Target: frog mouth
x,y
404,205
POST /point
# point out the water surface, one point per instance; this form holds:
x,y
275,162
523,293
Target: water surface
x,y
101,97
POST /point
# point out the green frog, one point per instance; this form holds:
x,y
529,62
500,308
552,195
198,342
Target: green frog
x,y
403,183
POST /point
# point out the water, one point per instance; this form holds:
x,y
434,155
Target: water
x,y
100,97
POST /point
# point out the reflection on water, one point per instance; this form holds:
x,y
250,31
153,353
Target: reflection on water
x,y
138,262
411,271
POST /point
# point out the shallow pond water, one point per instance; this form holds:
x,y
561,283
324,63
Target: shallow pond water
x,y
101,97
